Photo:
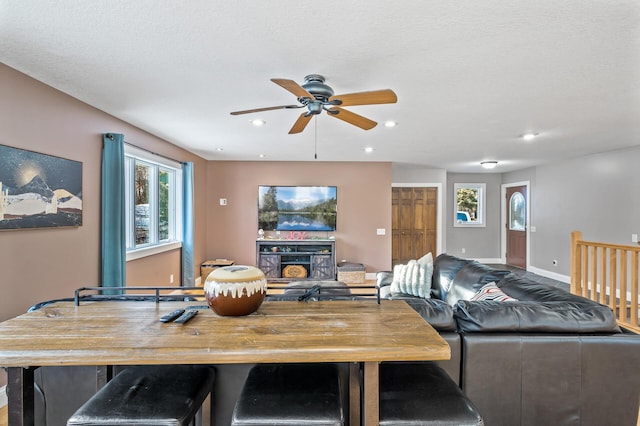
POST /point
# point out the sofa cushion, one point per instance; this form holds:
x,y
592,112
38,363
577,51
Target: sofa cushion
x,y
470,279
492,292
413,278
445,269
523,288
542,317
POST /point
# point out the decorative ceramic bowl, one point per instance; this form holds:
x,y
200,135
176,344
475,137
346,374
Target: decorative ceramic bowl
x,y
235,290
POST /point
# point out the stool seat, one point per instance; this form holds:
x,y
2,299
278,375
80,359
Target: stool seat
x,y
423,394
290,394
148,395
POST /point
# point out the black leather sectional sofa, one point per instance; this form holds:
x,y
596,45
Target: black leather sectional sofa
x,y
549,358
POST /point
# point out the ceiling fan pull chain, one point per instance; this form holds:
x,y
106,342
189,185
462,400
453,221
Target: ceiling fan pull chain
x,y
315,147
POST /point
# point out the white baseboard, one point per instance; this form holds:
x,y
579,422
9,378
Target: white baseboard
x,y
3,396
549,274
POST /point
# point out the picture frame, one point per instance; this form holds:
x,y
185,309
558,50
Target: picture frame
x,y
38,190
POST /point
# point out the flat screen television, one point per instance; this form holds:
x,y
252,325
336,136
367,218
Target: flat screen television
x,y
297,208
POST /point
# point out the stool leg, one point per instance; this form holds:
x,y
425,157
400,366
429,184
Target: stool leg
x,y
354,393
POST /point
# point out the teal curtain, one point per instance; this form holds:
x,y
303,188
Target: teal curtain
x,y
113,213
188,267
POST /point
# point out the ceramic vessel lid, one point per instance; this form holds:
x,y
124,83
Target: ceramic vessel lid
x,y
236,273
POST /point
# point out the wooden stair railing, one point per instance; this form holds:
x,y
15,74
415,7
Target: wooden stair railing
x,y
607,274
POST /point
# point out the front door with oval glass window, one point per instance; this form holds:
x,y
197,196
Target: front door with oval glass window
x,y
517,226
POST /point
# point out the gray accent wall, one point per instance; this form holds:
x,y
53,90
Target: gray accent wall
x,y
481,242
598,195
595,194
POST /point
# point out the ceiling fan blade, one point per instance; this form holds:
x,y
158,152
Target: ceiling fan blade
x,y
293,87
300,123
249,111
386,96
352,118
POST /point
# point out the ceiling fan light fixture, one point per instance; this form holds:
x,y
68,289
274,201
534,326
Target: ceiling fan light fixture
x,y
529,136
390,123
258,122
489,164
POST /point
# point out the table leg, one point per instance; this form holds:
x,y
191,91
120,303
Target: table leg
x,y
20,396
371,409
104,373
354,394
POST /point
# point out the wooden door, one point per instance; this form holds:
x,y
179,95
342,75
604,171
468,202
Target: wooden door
x,y
414,222
516,206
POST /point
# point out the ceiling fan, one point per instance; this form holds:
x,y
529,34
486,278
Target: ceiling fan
x,y
317,96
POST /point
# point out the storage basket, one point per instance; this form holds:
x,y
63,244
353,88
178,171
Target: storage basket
x,y
294,271
210,265
351,273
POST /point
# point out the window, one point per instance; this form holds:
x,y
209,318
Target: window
x,y
469,204
153,212
516,212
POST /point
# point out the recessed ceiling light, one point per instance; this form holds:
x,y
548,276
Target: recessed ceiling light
x,y
368,149
219,149
261,155
390,123
489,164
529,136
258,122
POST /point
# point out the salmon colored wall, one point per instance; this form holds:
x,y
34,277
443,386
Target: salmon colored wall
x,y
43,264
364,204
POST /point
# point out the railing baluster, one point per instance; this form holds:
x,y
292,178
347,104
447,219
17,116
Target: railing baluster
x,y
608,274
594,273
623,286
613,283
603,276
634,289
585,272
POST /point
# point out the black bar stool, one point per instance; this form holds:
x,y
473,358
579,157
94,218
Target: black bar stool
x,y
290,394
149,395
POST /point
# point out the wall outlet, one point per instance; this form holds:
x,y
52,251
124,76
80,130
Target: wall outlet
x,y
634,238
171,279
463,250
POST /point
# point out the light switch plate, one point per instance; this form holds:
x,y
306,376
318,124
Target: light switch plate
x,y
381,231
223,201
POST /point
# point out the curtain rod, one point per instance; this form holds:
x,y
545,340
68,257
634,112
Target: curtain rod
x,y
110,136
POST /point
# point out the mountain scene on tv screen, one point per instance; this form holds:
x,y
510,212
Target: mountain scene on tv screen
x,y
299,208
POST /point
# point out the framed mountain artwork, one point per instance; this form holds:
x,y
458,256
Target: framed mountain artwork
x,y
38,190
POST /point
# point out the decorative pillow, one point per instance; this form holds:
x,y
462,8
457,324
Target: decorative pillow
x,y
413,278
492,292
427,258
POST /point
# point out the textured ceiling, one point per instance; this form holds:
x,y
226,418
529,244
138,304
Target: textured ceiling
x,y
471,76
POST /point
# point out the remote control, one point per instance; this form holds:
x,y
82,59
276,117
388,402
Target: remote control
x,y
186,317
171,315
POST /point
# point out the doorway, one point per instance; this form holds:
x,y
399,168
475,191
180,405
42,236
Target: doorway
x,y
516,213
414,220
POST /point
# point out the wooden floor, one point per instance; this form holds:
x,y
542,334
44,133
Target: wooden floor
x,y
3,416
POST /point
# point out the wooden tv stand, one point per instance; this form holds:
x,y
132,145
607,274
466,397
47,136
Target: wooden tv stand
x,y
287,260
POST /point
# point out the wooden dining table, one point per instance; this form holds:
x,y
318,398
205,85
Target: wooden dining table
x,y
361,333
